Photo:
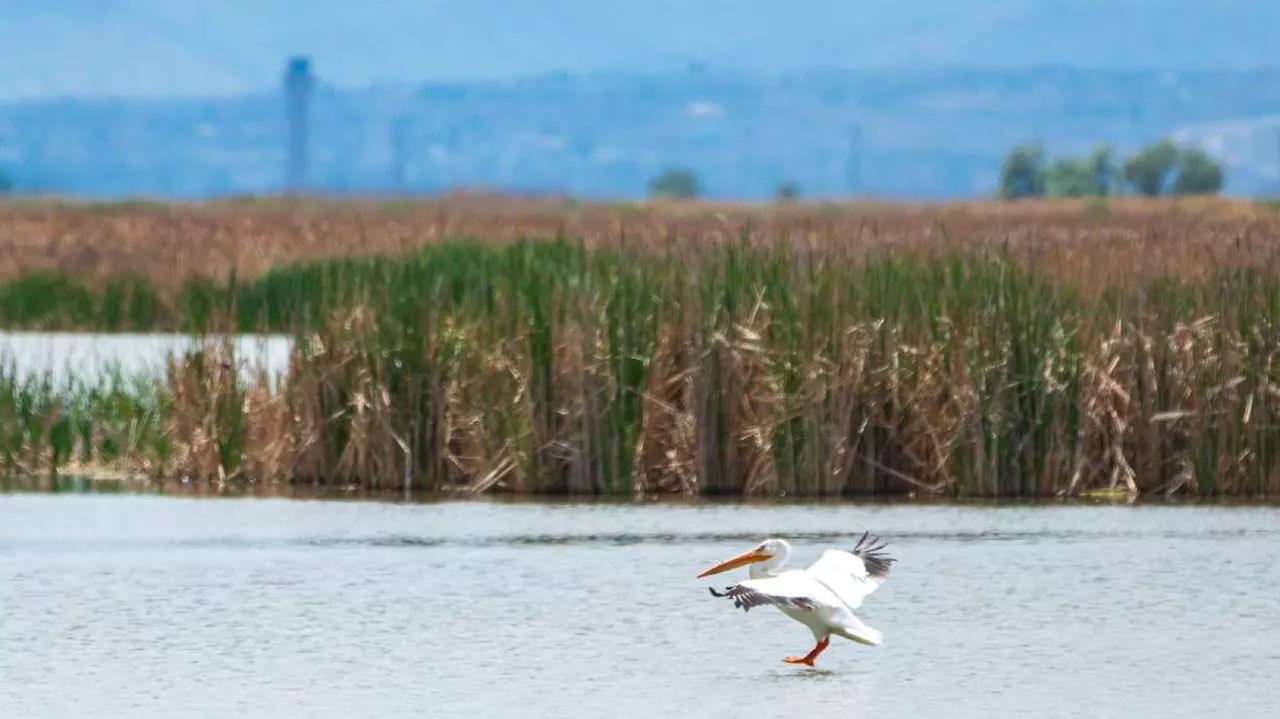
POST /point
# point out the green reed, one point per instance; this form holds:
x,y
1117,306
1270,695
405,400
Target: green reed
x,y
711,368
106,422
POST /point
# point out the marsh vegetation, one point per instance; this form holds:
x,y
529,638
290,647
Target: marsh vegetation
x,y
815,352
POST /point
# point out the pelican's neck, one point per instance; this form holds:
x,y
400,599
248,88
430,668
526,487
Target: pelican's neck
x,y
773,565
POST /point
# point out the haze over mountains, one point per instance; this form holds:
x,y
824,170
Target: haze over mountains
x,y
175,97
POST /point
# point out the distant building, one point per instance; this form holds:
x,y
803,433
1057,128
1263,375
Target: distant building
x,y
298,86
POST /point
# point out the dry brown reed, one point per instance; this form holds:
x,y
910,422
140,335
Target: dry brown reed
x,y
1034,350
169,243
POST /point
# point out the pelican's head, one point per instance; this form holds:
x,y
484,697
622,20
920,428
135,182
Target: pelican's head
x,y
769,553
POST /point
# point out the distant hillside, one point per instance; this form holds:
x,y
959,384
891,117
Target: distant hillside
x,y
902,132
171,47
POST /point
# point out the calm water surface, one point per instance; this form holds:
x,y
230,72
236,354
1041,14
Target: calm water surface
x,y
88,355
150,606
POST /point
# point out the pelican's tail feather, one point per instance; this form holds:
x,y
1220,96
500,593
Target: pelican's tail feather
x,y
862,633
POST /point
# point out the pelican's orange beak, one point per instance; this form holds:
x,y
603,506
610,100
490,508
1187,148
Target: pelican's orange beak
x,y
751,557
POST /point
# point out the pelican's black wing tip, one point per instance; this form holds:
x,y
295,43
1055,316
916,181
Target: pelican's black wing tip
x,y
872,555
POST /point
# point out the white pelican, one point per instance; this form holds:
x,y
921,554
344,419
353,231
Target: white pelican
x,y
821,597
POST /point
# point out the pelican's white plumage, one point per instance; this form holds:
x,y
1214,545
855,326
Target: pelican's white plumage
x,y
823,596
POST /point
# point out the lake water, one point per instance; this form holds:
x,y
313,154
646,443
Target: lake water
x,y
86,355
147,606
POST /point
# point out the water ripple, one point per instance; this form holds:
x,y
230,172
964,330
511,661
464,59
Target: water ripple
x,y
632,538
606,539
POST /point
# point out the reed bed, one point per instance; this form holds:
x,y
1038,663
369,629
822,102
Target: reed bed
x,y
168,244
736,365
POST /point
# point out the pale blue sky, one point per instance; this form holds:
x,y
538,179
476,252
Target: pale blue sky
x,y
164,47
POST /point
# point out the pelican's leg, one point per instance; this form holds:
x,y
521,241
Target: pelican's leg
x,y
813,654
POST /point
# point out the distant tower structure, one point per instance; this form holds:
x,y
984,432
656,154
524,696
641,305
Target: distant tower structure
x,y
298,86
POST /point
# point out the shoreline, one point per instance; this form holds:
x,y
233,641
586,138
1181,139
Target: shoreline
x,y
97,482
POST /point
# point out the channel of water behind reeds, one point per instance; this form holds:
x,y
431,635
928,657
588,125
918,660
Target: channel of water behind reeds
x,y
751,368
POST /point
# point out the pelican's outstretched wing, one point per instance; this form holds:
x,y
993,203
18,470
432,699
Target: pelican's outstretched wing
x,y
853,575
793,590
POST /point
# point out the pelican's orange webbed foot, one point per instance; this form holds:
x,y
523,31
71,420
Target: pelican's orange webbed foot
x,y
807,659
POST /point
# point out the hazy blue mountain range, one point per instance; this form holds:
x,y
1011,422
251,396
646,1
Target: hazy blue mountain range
x,y
919,99
203,47
908,133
